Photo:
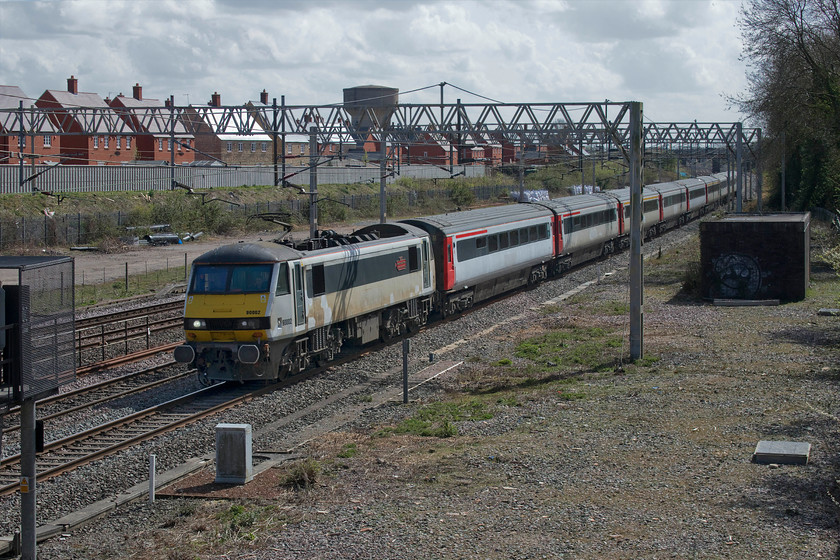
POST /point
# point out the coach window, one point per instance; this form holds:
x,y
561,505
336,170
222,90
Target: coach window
x,y
504,243
523,236
514,238
494,243
282,287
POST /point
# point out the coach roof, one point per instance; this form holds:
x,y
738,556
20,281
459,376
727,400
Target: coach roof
x,y
454,222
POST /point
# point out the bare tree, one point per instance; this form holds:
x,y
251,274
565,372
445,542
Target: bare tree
x,y
792,48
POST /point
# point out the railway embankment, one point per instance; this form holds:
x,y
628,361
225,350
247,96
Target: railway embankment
x,y
546,442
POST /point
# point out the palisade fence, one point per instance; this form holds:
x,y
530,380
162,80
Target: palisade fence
x,y
103,178
84,229
81,229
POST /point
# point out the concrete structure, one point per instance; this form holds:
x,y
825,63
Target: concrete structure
x,y
782,452
754,257
234,462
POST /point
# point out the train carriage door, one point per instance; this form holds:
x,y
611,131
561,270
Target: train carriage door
x,y
300,308
427,275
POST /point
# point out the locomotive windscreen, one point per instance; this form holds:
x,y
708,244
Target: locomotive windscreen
x,y
231,279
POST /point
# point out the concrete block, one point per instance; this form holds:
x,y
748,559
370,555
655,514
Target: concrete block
x,y
782,452
756,257
234,462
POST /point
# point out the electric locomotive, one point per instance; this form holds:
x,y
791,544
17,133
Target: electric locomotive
x,y
268,309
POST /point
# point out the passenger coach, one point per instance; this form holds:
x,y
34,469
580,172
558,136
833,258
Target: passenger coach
x,y
488,251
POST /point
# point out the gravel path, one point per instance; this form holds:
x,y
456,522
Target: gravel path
x,y
636,461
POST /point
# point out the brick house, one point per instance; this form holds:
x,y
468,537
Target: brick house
x,y
430,149
91,143
215,140
294,146
151,117
36,148
535,152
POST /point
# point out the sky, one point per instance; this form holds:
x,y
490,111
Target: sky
x,y
679,57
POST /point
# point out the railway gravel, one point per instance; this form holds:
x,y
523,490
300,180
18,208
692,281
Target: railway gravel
x,y
649,461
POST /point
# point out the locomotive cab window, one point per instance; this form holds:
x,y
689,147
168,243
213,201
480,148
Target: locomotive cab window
x,y
414,259
319,285
282,287
209,279
230,279
250,278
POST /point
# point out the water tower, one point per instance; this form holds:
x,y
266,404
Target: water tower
x,y
370,109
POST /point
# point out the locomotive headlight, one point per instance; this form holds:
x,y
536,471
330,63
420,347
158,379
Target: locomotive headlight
x,y
248,324
196,324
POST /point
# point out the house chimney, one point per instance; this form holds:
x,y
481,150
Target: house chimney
x,y
73,85
138,92
264,97
216,100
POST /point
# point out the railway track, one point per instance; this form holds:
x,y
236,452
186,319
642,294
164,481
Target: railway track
x,y
123,315
100,393
105,336
71,452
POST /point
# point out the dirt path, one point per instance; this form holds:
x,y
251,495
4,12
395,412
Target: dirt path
x,y
97,267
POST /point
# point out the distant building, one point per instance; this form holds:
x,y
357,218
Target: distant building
x,y
92,143
151,117
430,148
222,142
35,148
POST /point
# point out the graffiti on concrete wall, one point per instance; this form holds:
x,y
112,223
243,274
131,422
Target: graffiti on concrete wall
x,y
737,276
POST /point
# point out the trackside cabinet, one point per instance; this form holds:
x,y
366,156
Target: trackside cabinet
x,y
38,327
756,257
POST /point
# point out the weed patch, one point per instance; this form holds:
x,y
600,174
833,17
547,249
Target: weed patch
x,y
302,475
436,419
591,349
